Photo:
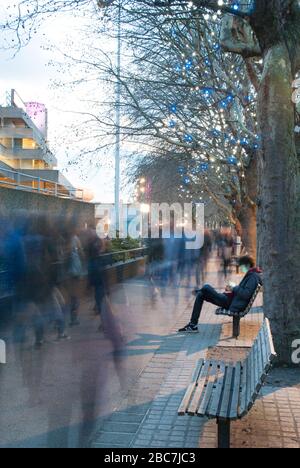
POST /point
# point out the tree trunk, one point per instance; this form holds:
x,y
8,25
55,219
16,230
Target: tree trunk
x,y
280,194
247,219
248,213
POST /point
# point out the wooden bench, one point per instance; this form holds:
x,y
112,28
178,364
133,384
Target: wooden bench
x,y
237,317
227,392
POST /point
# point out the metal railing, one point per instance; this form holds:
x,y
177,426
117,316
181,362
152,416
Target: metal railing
x,y
29,183
124,256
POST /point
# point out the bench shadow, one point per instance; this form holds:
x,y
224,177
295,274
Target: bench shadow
x,y
170,344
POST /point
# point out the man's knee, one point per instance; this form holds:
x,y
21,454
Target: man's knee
x,y
206,289
202,294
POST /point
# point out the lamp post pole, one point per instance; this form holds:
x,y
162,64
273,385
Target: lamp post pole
x,y
118,122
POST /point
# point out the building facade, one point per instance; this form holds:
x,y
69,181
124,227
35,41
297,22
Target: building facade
x,y
26,161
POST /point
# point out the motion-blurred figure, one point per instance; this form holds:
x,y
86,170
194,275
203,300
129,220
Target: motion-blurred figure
x,y
75,271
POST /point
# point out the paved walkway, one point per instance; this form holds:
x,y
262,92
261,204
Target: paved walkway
x,y
147,417
58,395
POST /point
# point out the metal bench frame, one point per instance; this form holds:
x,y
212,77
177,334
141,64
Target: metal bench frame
x,y
236,326
227,392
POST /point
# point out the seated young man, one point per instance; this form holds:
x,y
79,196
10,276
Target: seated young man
x,y
234,299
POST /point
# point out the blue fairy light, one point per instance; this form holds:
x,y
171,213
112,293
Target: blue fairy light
x,y
173,108
208,91
204,167
244,142
215,133
232,160
223,104
173,32
188,138
181,170
188,64
172,124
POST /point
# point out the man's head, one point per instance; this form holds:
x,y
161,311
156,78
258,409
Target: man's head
x,y
246,263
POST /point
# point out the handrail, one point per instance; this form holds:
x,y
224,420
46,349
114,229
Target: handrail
x,y
125,255
16,176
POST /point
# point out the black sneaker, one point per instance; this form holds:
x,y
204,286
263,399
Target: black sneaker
x,y
190,328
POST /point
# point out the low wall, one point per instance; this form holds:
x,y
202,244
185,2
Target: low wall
x,y
12,200
123,271
117,274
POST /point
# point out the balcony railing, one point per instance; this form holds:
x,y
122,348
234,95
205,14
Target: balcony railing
x,y
29,183
15,132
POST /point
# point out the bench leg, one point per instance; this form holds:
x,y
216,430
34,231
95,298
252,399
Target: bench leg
x,y
223,434
236,327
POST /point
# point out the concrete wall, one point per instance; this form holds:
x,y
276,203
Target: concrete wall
x,y
12,200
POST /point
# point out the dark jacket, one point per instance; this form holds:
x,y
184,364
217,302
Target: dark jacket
x,y
242,294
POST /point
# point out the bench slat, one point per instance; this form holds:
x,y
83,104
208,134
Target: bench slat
x,y
209,390
267,343
269,334
188,395
223,413
198,394
250,377
265,363
264,352
258,368
244,406
243,394
233,412
217,393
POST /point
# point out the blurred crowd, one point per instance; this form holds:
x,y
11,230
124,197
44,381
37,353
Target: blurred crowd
x,y
171,264
48,264
43,261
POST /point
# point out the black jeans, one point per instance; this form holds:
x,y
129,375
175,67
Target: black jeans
x,y
209,294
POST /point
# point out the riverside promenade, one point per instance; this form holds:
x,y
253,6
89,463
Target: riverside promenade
x,y
147,416
94,391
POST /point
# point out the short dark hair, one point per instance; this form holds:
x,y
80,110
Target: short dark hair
x,y
247,260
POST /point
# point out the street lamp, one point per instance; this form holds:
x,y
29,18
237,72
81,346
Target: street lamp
x,y
105,4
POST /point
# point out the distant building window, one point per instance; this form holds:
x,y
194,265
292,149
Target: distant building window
x,y
18,143
7,142
29,144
